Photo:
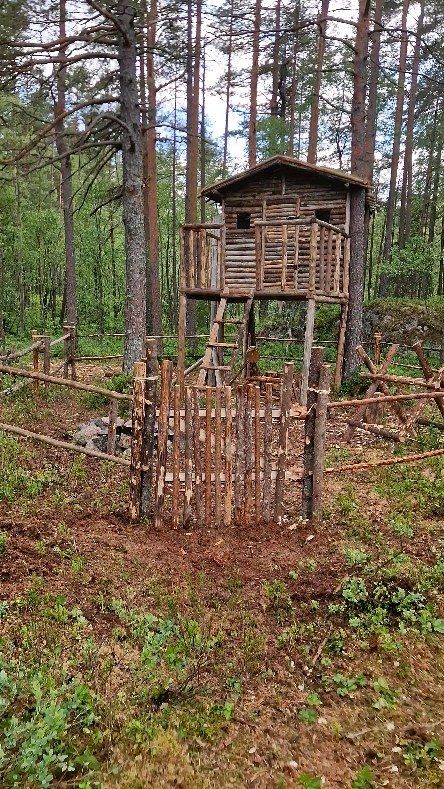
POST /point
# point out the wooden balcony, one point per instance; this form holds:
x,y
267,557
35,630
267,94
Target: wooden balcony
x,y
280,259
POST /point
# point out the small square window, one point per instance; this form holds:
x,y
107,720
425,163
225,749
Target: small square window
x,y
323,214
243,221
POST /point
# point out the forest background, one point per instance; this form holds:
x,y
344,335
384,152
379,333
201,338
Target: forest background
x,y
214,88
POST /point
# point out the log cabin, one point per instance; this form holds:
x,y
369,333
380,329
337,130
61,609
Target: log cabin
x,y
283,234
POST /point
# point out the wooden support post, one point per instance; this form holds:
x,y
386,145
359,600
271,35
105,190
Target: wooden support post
x,y
188,455
181,341
317,357
240,455
35,362
257,454
152,372
72,351
313,257
308,344
217,455
286,390
166,372
137,440
377,341
197,459
341,346
112,418
46,351
176,456
319,440
249,460
228,457
66,351
268,449
208,453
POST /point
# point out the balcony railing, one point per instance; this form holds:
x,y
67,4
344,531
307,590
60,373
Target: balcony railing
x,y
306,257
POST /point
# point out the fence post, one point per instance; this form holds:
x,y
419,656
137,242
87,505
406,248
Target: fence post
x,y
137,440
166,372
319,440
46,353
149,425
377,343
69,351
35,336
316,360
286,391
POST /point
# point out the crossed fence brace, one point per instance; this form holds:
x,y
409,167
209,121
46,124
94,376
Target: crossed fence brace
x,y
380,380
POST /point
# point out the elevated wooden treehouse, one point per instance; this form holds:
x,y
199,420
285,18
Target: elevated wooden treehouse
x,y
283,235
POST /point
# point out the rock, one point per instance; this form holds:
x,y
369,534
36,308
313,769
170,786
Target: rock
x,y
90,431
127,453
125,441
79,438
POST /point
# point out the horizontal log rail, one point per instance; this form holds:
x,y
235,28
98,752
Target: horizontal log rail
x,y
17,372
58,340
400,379
55,442
432,395
22,352
415,458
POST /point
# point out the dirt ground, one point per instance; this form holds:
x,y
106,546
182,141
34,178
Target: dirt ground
x,y
305,686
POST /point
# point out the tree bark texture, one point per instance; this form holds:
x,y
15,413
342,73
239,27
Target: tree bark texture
x,y
154,316
405,217
358,111
391,200
66,175
254,78
316,95
353,332
132,168
372,113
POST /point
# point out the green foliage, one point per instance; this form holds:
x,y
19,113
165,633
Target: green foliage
x,y
173,651
419,755
44,726
364,779
308,781
17,482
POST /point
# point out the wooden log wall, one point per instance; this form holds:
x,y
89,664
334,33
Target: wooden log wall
x,y
274,196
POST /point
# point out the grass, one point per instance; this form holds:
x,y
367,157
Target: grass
x,y
137,657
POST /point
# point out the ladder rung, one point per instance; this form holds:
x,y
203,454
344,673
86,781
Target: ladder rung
x,y
234,320
215,367
222,344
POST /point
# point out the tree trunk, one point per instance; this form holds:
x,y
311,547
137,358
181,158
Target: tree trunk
x,y
193,83
203,147
228,91
254,79
405,218
294,80
154,304
132,169
353,334
372,112
435,187
66,175
274,101
316,95
391,200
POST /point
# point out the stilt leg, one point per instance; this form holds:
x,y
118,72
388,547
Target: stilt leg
x,y
181,342
341,343
308,344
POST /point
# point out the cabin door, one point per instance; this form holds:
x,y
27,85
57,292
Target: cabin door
x,y
278,208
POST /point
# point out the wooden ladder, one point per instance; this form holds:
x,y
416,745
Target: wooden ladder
x,y
238,346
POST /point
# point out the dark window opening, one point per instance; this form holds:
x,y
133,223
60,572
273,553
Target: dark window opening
x,y
243,221
323,214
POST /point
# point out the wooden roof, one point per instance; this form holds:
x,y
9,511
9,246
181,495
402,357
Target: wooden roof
x,y
216,190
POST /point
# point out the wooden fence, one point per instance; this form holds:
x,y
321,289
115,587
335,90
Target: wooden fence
x,y
220,455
